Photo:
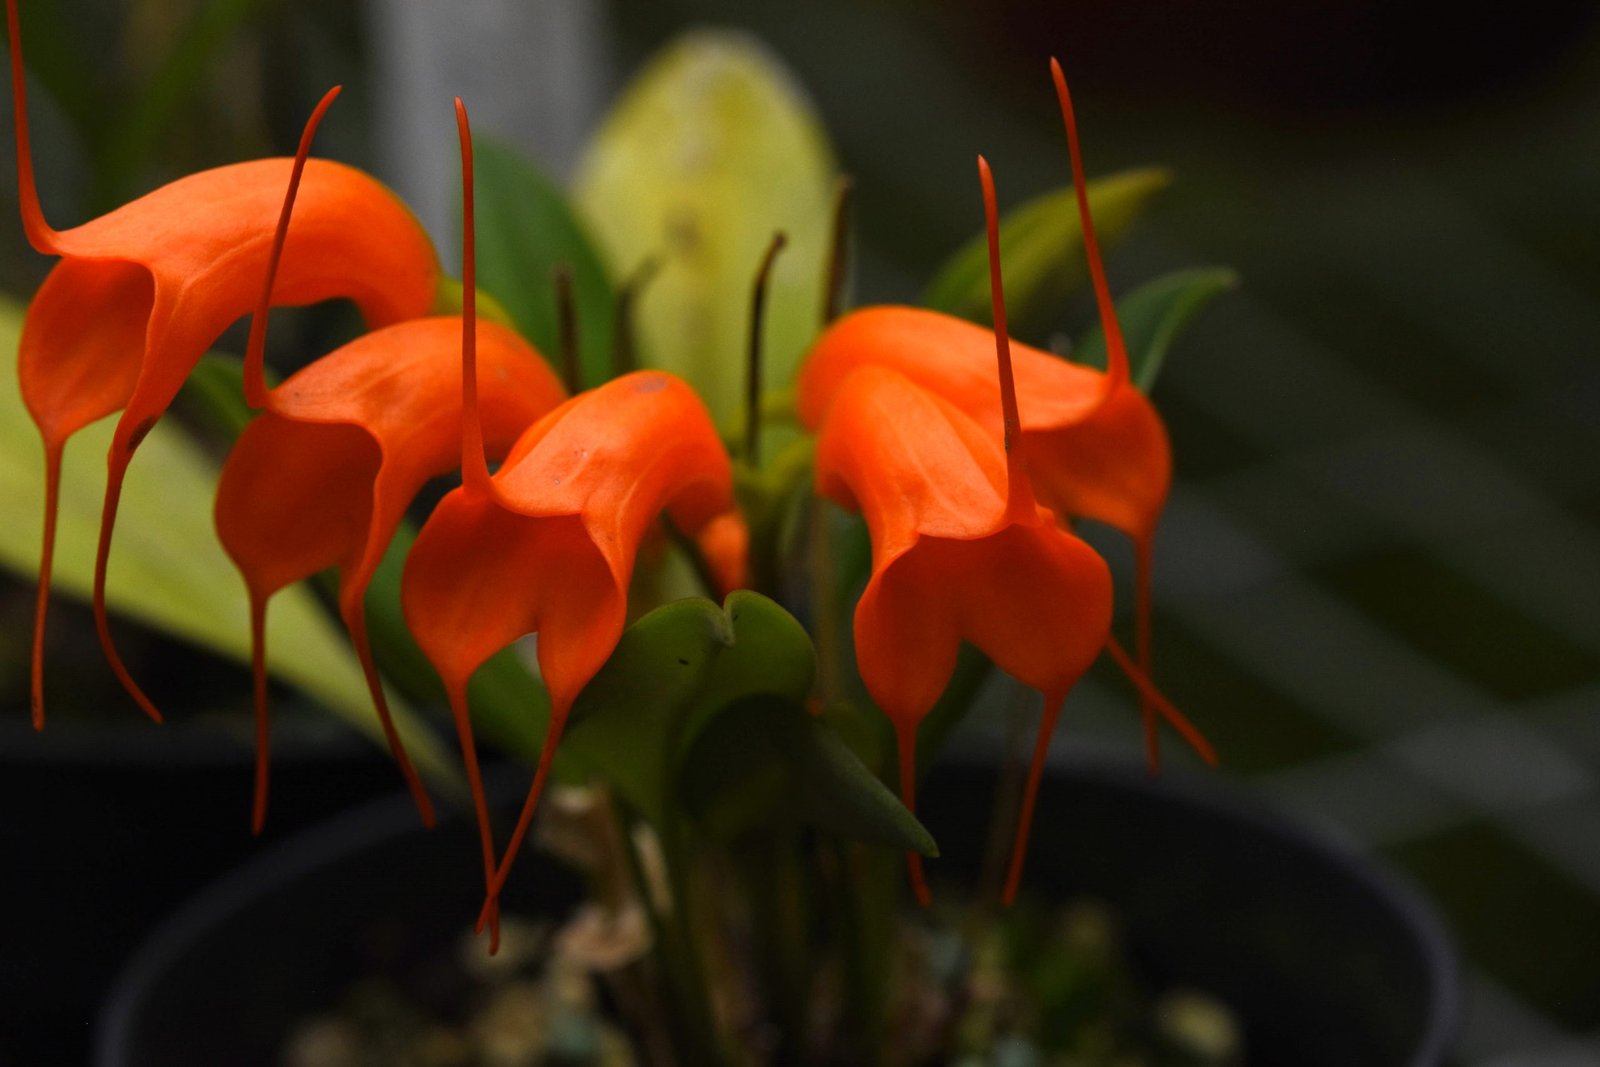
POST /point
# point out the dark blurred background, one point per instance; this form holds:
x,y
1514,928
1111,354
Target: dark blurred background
x,y
1379,579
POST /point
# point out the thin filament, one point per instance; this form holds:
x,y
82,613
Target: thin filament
x,y
39,233
1147,690
41,607
552,737
352,609
1143,562
258,687
1116,349
1041,750
907,738
255,385
474,461
117,469
1020,504
480,804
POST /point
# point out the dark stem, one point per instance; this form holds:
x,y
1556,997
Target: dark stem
x,y
567,329
624,358
697,559
838,248
758,314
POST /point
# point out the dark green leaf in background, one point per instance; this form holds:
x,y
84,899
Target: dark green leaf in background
x,y
1152,316
1041,251
525,231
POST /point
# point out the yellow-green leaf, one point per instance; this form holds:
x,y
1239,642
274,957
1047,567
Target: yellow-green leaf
x,y
167,568
712,149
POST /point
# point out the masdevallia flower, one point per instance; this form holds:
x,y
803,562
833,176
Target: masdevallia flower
x,y
324,476
165,275
956,556
962,551
1095,446
547,544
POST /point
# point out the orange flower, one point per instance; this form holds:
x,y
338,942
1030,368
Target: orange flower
x,y
547,545
1095,445
350,440
165,275
324,477
961,551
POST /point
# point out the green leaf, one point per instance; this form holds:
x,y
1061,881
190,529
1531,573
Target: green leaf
x,y
1152,317
526,229
167,568
1041,251
672,672
766,758
712,149
213,395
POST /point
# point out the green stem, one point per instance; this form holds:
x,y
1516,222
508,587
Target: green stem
x,y
774,872
689,993
867,899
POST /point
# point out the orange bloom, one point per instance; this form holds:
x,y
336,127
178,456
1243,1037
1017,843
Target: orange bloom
x,y
547,545
955,557
961,551
324,477
165,275
1095,445
350,440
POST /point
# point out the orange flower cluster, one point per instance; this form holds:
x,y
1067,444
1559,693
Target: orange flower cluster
x,y
968,471
968,477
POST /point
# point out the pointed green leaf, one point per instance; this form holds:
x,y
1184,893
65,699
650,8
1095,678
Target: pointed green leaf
x,y
526,229
713,148
167,568
673,671
1152,317
765,758
1041,251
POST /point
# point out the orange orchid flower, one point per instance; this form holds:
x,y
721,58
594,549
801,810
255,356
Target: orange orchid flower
x,y
1095,445
547,545
351,439
961,551
165,275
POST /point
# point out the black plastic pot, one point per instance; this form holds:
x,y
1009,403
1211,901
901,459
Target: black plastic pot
x,y
1328,960
107,826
